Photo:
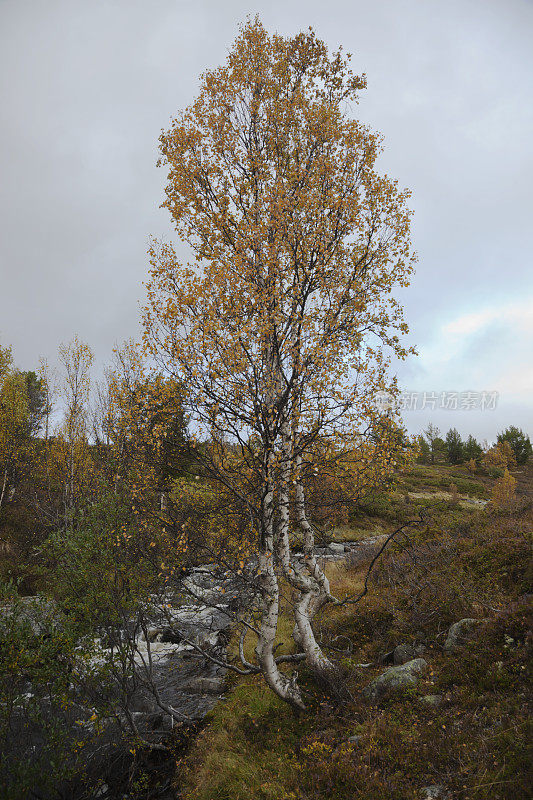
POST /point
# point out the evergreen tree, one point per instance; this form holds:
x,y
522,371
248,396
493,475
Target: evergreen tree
x,y
472,449
454,447
520,443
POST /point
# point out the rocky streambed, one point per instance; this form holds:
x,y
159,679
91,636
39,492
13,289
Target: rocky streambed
x,y
166,667
176,646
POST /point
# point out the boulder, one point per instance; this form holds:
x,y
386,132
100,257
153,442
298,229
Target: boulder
x,y
436,792
395,678
460,633
387,658
203,685
153,721
336,548
354,739
407,652
432,700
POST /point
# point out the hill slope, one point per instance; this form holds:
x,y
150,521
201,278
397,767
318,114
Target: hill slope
x,y
461,728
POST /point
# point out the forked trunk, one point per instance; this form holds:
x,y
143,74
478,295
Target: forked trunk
x,y
309,590
284,687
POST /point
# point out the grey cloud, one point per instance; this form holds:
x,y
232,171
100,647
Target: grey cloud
x,y
87,86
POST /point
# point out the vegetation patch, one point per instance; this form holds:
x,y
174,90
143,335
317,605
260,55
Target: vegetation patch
x,y
464,726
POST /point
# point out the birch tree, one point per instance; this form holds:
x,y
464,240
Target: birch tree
x,y
76,359
14,424
283,324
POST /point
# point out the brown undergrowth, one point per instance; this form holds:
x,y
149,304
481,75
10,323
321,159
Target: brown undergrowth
x,y
472,740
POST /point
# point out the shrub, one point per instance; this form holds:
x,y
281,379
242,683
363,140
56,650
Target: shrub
x,y
500,457
454,499
503,491
471,466
38,743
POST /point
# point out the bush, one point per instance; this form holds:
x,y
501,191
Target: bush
x,y
38,654
503,491
500,457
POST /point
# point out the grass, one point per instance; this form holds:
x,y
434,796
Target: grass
x,y
347,533
421,477
245,750
461,562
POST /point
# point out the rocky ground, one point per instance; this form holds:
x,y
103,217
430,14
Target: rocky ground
x,y
434,658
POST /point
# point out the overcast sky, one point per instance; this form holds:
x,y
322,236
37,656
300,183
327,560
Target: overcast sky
x,y
88,85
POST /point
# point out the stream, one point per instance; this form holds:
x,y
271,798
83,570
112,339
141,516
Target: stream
x,y
176,678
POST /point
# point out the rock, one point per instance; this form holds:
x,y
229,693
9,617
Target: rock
x,y
407,652
436,792
202,685
395,678
336,548
387,658
460,633
207,568
153,632
433,700
153,721
170,636
354,739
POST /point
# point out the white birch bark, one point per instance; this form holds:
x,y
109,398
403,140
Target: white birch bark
x,y
309,590
278,682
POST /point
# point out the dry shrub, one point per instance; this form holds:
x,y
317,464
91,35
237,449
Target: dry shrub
x,y
503,491
458,571
499,457
471,466
454,494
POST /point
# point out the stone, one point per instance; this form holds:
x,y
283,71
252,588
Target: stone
x,y
152,633
433,700
407,652
152,721
387,658
336,548
436,792
354,739
170,636
395,678
203,685
460,633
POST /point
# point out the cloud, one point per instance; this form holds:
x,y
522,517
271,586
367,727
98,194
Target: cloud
x,y
87,87
484,349
490,346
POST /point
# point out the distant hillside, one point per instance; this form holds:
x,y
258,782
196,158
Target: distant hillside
x,y
460,729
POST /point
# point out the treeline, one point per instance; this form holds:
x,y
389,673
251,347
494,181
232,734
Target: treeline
x,y
512,448
67,444
70,446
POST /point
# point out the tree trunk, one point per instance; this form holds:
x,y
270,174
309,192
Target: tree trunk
x,y
309,589
278,682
